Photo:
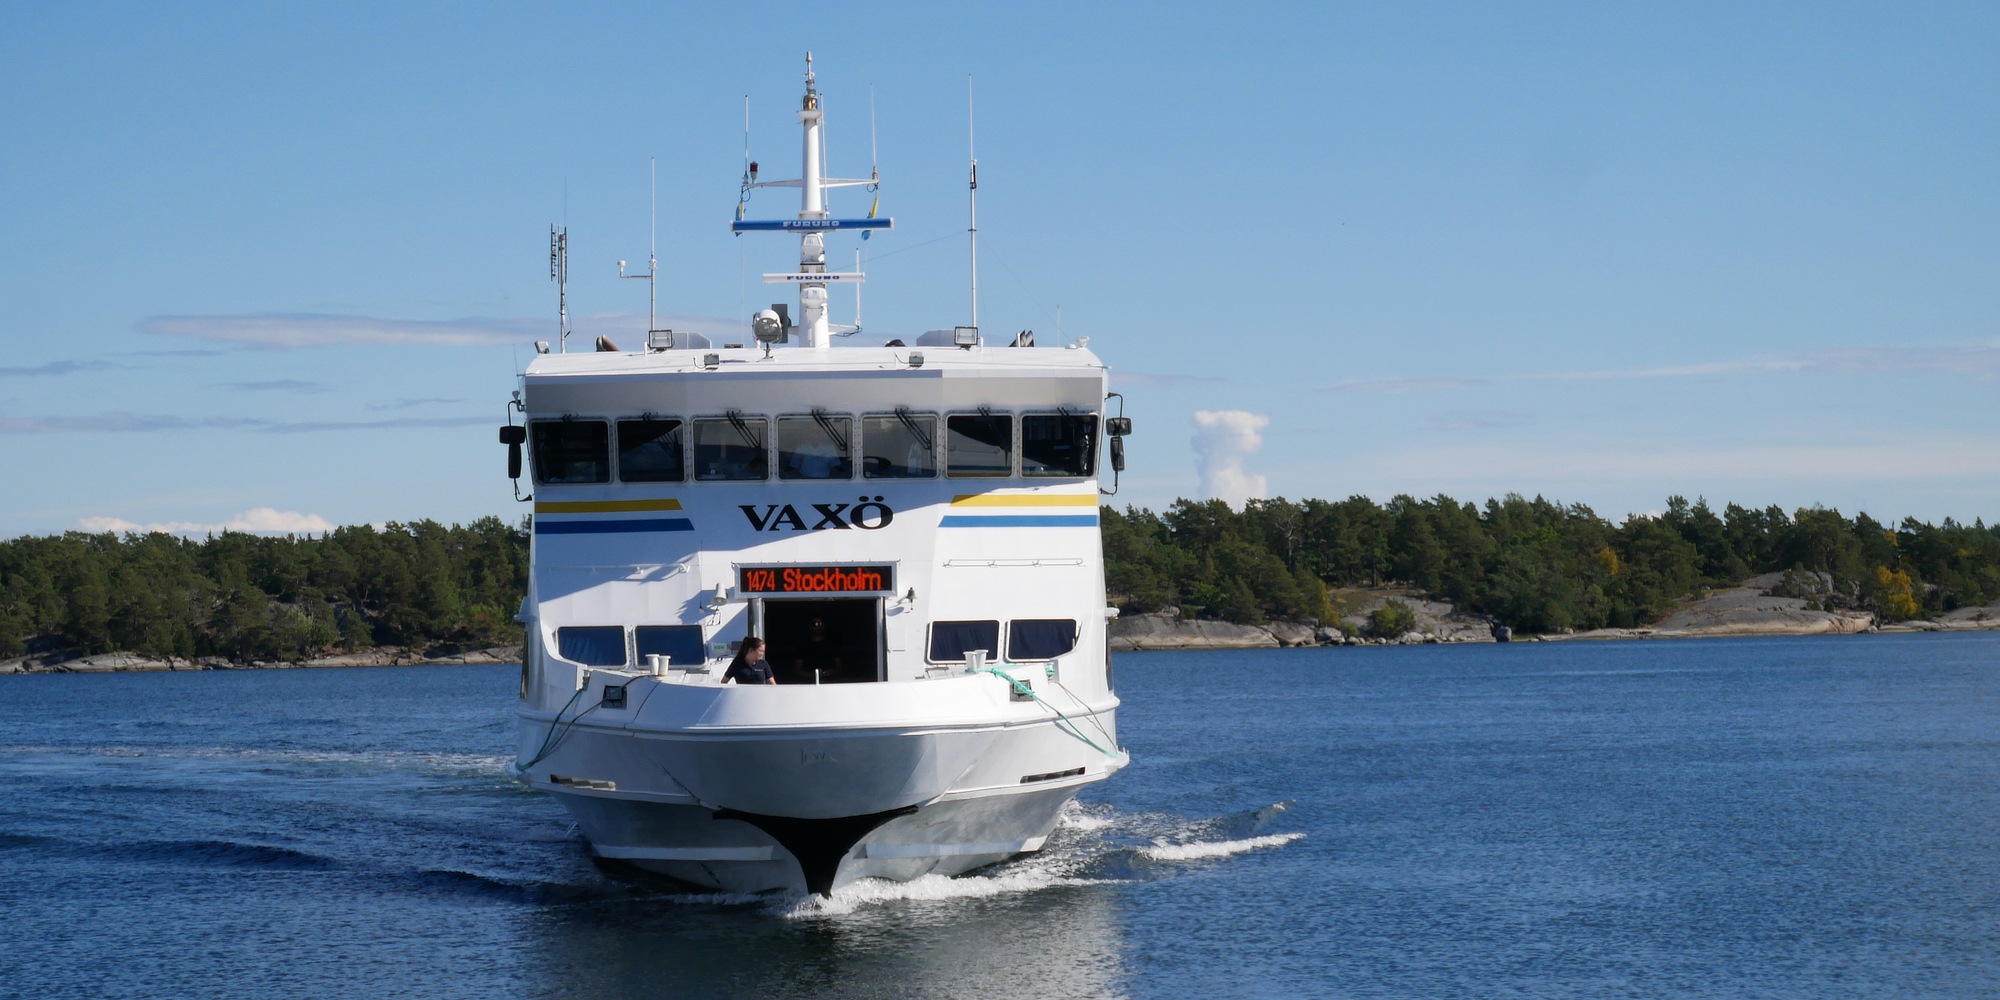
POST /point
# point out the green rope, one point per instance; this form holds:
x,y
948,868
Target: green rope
x,y
550,740
1073,730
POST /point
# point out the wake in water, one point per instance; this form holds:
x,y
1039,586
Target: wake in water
x,y
1091,845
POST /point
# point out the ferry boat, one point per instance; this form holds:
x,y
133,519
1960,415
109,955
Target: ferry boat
x,y
912,529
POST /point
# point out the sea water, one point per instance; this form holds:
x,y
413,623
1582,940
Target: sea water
x,y
1801,817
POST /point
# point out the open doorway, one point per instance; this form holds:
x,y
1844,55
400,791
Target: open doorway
x,y
824,641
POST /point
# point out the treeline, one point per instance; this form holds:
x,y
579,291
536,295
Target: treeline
x,y
248,597
1535,564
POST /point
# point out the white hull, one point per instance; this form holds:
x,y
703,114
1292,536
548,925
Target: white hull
x,y
802,808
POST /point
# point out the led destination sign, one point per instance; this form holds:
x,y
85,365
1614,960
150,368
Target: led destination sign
x,y
816,579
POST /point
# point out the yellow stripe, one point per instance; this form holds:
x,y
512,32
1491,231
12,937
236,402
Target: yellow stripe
x,y
1024,500
602,506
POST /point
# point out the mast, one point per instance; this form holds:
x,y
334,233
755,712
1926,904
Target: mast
x,y
812,205
815,328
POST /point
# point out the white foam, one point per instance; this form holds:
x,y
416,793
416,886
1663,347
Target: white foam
x,y
925,888
1073,817
1215,849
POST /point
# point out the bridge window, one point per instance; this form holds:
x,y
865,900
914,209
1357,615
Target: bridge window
x,y
681,644
815,447
592,646
730,448
1058,444
649,451
950,640
980,445
1040,638
572,451
903,446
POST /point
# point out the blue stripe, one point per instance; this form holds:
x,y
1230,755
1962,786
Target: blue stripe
x,y
1020,521
807,225
609,527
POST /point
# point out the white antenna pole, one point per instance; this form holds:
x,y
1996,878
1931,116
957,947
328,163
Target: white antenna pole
x,y
559,273
873,160
973,227
653,252
857,291
742,268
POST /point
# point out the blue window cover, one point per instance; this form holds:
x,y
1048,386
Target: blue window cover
x,y
682,643
594,646
1040,638
950,640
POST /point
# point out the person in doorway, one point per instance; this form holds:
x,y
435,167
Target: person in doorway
x,y
820,659
749,666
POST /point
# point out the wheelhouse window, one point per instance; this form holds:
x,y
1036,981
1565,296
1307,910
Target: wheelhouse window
x,y
649,451
730,449
950,640
1040,638
572,451
815,447
980,445
681,644
1058,444
593,645
901,446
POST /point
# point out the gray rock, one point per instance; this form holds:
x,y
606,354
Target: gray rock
x,y
1129,633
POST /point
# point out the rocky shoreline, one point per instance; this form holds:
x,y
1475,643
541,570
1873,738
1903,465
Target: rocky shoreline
x,y
1761,606
73,661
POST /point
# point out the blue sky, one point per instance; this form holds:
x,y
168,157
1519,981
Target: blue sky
x,y
1603,253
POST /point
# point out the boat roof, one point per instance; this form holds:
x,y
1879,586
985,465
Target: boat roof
x,y
1045,362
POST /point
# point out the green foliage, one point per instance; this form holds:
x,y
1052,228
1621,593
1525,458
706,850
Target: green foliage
x,y
251,597
1535,565
1391,620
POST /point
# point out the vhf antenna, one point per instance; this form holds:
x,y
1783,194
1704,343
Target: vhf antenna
x,y
559,273
973,226
652,256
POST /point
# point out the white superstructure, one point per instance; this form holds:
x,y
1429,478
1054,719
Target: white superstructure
x,y
912,529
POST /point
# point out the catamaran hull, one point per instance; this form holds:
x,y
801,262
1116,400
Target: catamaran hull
x,y
714,850
811,811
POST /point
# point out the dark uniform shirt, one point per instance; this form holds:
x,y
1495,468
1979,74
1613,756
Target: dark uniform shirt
x,y
749,673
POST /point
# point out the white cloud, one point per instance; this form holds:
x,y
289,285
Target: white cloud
x,y
1125,378
261,521
1543,462
1222,440
140,423
63,368
1973,359
1405,384
286,331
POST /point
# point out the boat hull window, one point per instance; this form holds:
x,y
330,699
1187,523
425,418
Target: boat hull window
x,y
980,445
1040,638
902,446
815,447
950,640
593,645
1058,445
680,643
824,641
649,451
572,451
729,449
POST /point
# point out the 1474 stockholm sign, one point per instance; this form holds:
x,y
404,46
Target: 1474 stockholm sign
x,y
816,579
